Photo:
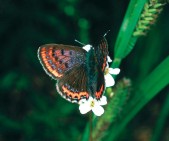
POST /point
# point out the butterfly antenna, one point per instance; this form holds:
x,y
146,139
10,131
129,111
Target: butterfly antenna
x,y
106,33
79,42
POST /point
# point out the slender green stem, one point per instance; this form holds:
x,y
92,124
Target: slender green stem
x,y
91,126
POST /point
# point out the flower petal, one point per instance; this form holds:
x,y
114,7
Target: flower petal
x,y
98,110
84,108
82,101
103,100
90,99
109,59
114,71
109,80
87,47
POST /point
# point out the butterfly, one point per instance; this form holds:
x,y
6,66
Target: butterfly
x,y
79,71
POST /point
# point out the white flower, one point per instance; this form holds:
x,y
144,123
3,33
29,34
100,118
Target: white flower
x,y
107,75
93,104
87,47
109,59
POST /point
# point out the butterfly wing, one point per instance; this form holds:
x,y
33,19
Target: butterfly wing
x,y
96,83
77,77
73,85
100,85
102,52
57,59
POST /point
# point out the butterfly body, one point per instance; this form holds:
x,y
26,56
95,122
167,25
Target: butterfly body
x,y
79,73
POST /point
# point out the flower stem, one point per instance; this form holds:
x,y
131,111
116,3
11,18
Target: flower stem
x,y
91,126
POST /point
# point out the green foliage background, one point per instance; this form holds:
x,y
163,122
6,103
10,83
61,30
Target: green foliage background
x,y
31,109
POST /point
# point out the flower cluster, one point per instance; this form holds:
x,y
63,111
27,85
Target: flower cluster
x,y
96,105
93,104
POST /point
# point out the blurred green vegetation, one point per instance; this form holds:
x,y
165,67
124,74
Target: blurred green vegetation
x,y
30,108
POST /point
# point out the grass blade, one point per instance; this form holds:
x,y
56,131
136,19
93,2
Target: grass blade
x,y
148,89
161,120
129,23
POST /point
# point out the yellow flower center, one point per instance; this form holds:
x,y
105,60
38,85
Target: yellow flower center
x,y
106,71
92,104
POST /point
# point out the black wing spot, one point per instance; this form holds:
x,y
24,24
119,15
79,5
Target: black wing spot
x,y
53,54
70,52
60,61
62,51
66,65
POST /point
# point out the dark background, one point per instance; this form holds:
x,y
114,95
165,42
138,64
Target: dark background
x,y
30,108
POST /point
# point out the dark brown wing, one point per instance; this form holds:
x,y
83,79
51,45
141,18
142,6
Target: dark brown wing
x,y
57,59
73,85
102,52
